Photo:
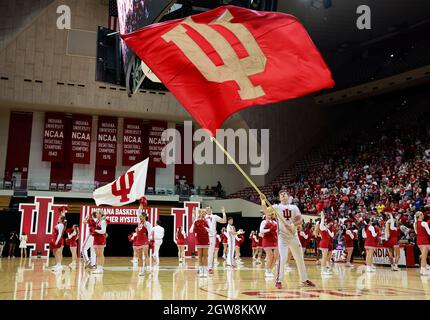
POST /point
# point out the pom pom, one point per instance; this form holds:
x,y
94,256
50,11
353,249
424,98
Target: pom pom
x,y
143,201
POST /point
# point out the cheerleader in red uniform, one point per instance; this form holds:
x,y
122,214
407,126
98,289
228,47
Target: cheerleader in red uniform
x,y
72,241
326,243
217,242
240,239
304,237
392,241
423,240
269,232
143,235
259,247
254,244
224,241
57,242
200,228
181,241
132,239
349,235
100,240
370,233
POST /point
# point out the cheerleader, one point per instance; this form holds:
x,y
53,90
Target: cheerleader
x,y
349,235
72,236
254,244
143,234
303,237
268,230
240,239
57,242
217,242
326,243
224,241
23,245
317,238
392,241
231,240
132,239
200,228
370,234
423,240
259,247
90,262
100,240
180,239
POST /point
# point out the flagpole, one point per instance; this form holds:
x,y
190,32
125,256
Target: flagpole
x,y
252,183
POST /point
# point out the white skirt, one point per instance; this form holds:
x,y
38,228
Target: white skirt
x,y
23,245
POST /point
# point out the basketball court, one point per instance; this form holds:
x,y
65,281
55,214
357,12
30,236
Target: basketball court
x,y
33,280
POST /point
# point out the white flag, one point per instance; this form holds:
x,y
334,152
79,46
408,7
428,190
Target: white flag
x,y
126,189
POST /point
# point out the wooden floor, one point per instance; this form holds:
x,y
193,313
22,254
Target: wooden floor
x,y
31,279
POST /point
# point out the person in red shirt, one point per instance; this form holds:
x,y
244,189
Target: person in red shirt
x,y
142,239
371,235
349,235
326,244
57,242
99,244
254,244
200,228
269,232
132,239
392,241
72,236
423,240
240,239
181,241
224,242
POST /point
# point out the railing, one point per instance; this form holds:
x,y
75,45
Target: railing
x,y
89,186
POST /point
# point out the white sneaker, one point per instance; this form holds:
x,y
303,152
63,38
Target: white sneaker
x,y
97,271
394,268
370,270
288,268
326,271
349,265
428,267
268,274
373,268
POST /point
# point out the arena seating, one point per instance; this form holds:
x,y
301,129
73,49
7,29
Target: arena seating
x,y
388,165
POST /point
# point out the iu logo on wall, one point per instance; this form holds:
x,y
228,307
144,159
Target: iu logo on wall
x,y
183,217
37,221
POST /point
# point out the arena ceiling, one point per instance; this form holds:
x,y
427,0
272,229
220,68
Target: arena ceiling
x,y
336,27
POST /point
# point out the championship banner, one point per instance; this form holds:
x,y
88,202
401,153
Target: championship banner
x,y
106,141
156,144
116,215
53,137
81,139
132,147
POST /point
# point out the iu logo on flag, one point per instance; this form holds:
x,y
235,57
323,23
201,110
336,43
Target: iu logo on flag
x,y
37,221
234,68
125,183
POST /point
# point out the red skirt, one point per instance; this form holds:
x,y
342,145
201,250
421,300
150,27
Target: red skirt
x,y
202,241
181,242
326,244
269,243
99,240
73,243
59,245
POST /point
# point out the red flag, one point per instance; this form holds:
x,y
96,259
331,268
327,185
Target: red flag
x,y
221,61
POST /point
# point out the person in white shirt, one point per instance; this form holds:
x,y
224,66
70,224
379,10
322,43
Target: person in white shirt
x,y
231,239
212,220
157,236
90,261
23,245
289,218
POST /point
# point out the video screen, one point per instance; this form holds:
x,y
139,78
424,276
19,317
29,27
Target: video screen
x,y
135,14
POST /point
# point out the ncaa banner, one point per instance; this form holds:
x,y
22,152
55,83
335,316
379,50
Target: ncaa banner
x,y
81,139
132,147
106,141
126,189
53,137
156,143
